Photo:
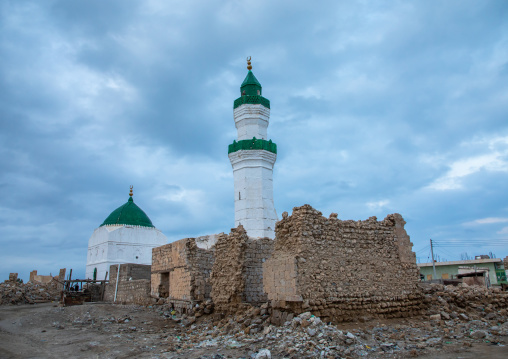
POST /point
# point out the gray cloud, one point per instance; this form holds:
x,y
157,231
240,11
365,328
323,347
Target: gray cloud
x,y
377,107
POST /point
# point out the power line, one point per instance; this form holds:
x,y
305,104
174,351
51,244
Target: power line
x,y
472,240
468,245
423,249
441,250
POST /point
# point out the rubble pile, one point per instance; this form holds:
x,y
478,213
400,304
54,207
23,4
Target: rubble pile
x,y
474,302
307,336
203,308
14,292
455,318
449,325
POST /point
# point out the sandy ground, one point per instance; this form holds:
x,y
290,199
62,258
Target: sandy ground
x,y
47,331
115,331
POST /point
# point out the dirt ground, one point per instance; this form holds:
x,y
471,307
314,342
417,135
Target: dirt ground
x,y
90,331
119,331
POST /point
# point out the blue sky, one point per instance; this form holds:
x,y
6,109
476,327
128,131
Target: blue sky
x,y
376,107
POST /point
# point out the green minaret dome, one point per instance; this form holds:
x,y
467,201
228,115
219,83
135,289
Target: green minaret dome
x,y
251,91
250,86
128,214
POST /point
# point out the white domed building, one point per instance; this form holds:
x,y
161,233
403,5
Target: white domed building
x,y
127,235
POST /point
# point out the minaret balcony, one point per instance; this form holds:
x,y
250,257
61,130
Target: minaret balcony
x,y
253,144
251,100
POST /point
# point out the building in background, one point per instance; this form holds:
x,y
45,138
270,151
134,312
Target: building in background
x,y
126,236
493,269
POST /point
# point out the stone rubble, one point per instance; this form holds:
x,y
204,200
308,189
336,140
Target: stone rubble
x,y
252,332
449,324
307,336
14,292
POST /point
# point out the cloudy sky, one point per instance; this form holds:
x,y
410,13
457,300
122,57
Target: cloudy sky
x,y
376,107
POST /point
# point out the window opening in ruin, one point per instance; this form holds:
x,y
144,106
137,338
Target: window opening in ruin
x,y
239,196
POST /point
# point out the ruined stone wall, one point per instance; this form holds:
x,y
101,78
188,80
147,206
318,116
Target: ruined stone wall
x,y
133,284
61,278
34,277
161,262
257,252
202,260
227,278
134,292
342,270
182,269
237,273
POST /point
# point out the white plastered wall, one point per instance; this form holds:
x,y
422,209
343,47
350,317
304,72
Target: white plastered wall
x,y
253,183
251,121
119,244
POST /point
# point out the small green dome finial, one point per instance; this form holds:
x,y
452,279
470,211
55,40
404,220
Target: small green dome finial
x,y
251,91
250,86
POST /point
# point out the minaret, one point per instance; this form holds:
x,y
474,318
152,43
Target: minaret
x,y
252,157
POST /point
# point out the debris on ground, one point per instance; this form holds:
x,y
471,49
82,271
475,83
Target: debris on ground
x,y
14,292
457,319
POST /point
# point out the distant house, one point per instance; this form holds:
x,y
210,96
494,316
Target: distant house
x,y
492,269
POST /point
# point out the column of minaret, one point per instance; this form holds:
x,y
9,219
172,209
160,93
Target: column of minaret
x,y
252,157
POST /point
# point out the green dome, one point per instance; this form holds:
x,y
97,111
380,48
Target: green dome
x,y
129,214
251,92
250,86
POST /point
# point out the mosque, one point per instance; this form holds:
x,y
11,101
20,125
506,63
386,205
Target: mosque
x,y
127,235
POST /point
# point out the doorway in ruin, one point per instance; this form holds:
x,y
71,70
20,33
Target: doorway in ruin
x,y
164,286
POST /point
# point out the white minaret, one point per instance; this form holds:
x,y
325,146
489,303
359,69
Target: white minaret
x,y
252,158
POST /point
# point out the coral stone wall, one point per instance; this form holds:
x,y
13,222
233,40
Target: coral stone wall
x,y
257,252
202,261
183,269
228,283
133,284
342,269
237,274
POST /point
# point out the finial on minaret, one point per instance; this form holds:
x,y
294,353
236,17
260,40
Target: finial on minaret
x,y
130,193
249,66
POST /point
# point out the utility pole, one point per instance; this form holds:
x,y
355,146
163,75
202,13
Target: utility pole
x,y
433,263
